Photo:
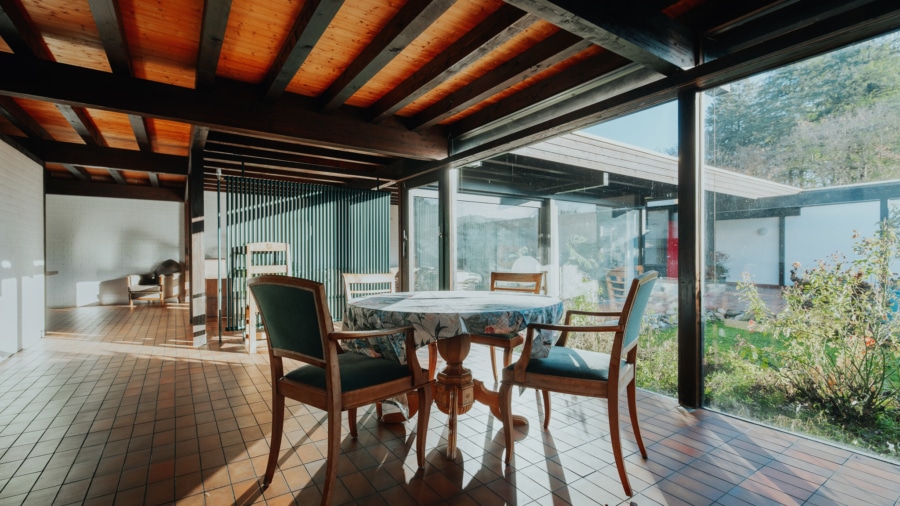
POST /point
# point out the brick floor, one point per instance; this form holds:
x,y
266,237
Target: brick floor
x,y
115,407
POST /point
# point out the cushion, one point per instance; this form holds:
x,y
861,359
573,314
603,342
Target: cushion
x,y
357,371
571,363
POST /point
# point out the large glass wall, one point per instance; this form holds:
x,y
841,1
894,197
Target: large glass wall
x,y
802,166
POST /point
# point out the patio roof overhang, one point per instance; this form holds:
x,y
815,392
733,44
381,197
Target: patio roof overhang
x,y
364,94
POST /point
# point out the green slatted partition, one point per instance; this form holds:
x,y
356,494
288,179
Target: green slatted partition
x,y
331,230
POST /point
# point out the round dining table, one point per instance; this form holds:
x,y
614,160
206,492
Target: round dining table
x,y
450,318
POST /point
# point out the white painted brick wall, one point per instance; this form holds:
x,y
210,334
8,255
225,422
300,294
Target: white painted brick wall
x,y
21,251
93,243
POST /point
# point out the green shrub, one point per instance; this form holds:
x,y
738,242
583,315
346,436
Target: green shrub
x,y
837,333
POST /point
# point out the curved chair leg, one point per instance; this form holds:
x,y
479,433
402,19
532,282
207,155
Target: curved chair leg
x,y
334,451
505,398
635,427
351,418
493,363
275,445
546,394
425,401
616,437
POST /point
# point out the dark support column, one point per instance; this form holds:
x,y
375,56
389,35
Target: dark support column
x,y
405,218
690,250
195,248
447,188
782,241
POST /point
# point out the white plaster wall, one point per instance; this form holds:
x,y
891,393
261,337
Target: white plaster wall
x,y
21,251
751,246
822,230
93,243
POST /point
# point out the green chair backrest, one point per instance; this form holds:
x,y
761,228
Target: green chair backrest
x,y
295,313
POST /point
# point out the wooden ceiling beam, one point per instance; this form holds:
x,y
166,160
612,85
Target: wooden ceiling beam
x,y
254,170
777,22
90,189
296,149
212,34
276,157
22,120
412,19
108,18
553,89
210,158
83,124
154,179
19,33
110,158
642,35
878,17
310,25
543,55
117,176
78,172
141,133
231,107
499,27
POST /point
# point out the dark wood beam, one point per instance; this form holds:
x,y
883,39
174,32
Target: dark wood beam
x,y
878,17
110,158
314,18
83,124
215,21
232,107
213,158
22,120
412,19
78,172
154,179
543,55
85,189
236,169
553,89
275,157
499,27
141,133
108,18
18,31
778,22
293,148
645,36
117,176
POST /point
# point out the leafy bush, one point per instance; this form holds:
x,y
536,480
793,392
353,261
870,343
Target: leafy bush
x,y
838,333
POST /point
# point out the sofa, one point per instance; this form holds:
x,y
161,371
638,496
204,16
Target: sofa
x,y
163,282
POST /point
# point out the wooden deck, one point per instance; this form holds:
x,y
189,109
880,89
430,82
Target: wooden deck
x,y
115,407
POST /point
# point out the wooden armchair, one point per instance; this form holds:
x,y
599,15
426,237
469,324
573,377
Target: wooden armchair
x,y
618,281
527,282
298,326
581,372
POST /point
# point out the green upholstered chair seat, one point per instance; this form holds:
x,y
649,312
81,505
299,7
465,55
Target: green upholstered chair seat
x,y
571,363
357,371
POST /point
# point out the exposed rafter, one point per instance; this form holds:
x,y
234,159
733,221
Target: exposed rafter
x,y
409,23
314,18
212,34
276,158
233,108
642,35
83,124
86,189
22,120
110,158
108,20
17,31
543,55
293,148
78,172
499,27
141,133
117,176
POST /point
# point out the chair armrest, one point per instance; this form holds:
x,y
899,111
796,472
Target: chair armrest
x,y
525,357
418,376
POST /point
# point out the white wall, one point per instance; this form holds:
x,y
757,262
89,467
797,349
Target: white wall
x,y
751,246
21,251
93,243
822,230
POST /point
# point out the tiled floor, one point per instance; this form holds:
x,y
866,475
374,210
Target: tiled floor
x,y
115,407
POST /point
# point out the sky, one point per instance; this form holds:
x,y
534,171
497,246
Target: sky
x,y
655,129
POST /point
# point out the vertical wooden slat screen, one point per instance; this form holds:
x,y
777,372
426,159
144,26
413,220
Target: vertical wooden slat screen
x,y
331,230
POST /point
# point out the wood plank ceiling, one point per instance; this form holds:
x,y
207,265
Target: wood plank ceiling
x,y
114,98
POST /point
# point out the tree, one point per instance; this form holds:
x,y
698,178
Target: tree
x,y
825,121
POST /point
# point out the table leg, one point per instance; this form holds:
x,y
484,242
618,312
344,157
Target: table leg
x,y
454,390
491,399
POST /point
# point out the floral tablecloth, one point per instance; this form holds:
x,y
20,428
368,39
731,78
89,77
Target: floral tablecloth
x,y
440,315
